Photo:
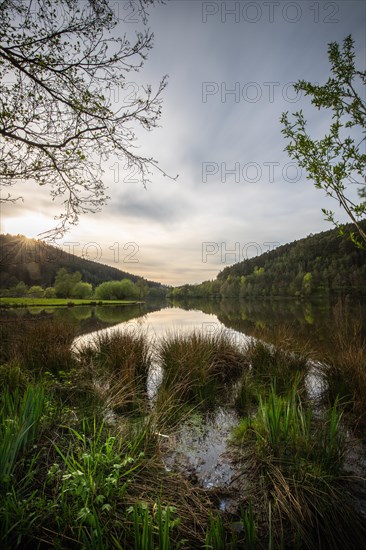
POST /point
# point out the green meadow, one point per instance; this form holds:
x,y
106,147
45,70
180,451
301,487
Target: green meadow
x,y
58,302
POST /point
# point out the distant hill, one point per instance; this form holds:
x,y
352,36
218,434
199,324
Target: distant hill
x,y
36,263
319,264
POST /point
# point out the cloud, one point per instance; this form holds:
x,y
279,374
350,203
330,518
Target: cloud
x,y
145,206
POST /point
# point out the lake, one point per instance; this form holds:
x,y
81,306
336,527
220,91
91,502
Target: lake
x,y
310,324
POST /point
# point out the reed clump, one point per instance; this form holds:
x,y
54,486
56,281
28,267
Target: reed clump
x,y
269,366
298,463
345,368
286,431
198,367
20,420
123,352
275,366
115,368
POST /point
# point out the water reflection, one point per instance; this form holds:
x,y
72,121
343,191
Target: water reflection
x,y
311,323
86,318
158,323
199,448
167,320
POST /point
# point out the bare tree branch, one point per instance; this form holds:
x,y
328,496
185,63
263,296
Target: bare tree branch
x,y
60,68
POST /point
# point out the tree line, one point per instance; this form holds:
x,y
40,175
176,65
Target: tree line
x,y
317,265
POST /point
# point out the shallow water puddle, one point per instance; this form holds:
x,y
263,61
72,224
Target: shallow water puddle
x,y
199,449
315,382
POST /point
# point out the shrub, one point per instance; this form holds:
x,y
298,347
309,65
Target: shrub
x,y
49,292
116,290
36,292
82,290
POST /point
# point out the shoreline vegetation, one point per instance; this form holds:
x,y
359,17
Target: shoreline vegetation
x,y
82,438
61,302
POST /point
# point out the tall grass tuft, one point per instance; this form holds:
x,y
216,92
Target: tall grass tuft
x,y
345,368
20,418
117,365
246,394
249,527
215,535
285,431
124,352
13,377
154,530
314,511
197,367
300,460
275,366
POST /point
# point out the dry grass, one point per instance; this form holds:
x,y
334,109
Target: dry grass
x,y
115,367
39,346
346,367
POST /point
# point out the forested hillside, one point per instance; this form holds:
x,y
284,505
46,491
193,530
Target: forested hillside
x,y
36,263
319,264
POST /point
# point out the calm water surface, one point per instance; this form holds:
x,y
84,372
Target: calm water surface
x,y
313,324
169,320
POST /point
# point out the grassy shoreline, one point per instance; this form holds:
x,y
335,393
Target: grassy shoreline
x,y
61,302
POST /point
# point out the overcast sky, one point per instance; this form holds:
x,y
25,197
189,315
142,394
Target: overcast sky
x,y
231,66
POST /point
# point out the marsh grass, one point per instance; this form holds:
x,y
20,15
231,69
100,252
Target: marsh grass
x,y
124,352
275,366
20,417
170,407
216,536
285,337
40,346
286,431
8,330
315,511
115,367
21,426
153,530
198,367
246,394
299,460
249,527
345,368
75,485
97,488
269,367
13,377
